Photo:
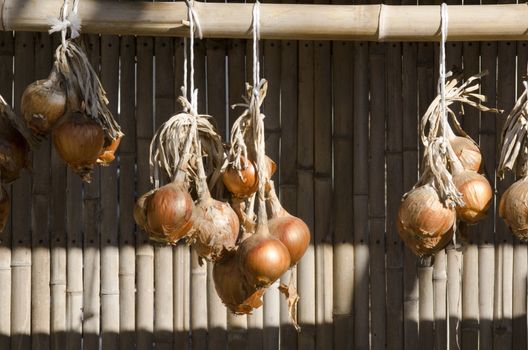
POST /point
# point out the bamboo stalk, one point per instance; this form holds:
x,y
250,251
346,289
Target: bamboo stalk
x,y
164,107
6,79
21,210
440,299
255,324
377,195
109,206
198,303
127,162
305,196
40,255
92,237
280,21
144,249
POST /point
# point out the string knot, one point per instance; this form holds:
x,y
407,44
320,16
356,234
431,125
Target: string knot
x,y
72,22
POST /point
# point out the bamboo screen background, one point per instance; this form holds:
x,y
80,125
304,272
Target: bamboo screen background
x,y
342,125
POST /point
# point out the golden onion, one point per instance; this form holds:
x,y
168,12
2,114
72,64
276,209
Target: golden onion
x,y
513,208
477,195
467,152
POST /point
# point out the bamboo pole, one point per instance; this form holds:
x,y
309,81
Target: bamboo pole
x,y
6,79
21,210
109,206
127,162
486,236
181,256
360,184
216,106
440,300
40,268
164,107
377,195
144,249
92,237
279,21
520,253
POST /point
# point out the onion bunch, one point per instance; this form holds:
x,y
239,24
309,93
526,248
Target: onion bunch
x,y
72,105
450,188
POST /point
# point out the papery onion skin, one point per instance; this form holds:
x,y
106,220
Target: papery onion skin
x,y
14,156
233,289
215,229
44,103
477,196
79,141
293,233
513,208
422,245
5,207
422,214
108,154
263,258
241,183
467,152
169,213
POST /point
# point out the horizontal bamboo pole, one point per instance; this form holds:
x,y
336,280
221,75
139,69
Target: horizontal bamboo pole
x,y
280,21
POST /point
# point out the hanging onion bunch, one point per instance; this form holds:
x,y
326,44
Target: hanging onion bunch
x,y
450,187
16,140
513,207
71,104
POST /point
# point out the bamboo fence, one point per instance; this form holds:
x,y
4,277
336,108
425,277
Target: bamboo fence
x,y
342,126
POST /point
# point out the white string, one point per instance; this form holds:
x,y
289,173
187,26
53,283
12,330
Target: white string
x,y
194,23
71,21
442,63
256,37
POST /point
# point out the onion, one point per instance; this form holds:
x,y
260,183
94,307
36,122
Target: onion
x,y
290,230
108,154
244,183
263,258
165,213
423,215
513,208
236,293
467,152
14,155
5,206
79,141
425,245
44,102
215,229
477,195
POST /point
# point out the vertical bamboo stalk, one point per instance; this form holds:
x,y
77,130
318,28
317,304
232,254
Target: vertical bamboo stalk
x,y
361,237
40,268
287,166
343,287
6,81
163,255
506,87
109,207
305,196
377,195
21,210
425,305
199,311
486,236
144,250
236,325
181,253
440,299
410,172
58,251
92,238
323,193
394,193
520,253
127,162
216,106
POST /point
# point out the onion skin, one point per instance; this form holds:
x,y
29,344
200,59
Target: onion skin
x,y
108,154
44,103
263,258
422,214
513,208
245,183
5,207
467,152
233,289
14,155
215,229
477,194
168,213
425,245
79,141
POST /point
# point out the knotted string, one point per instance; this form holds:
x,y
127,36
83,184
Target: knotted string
x,y
194,24
71,21
442,64
256,37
